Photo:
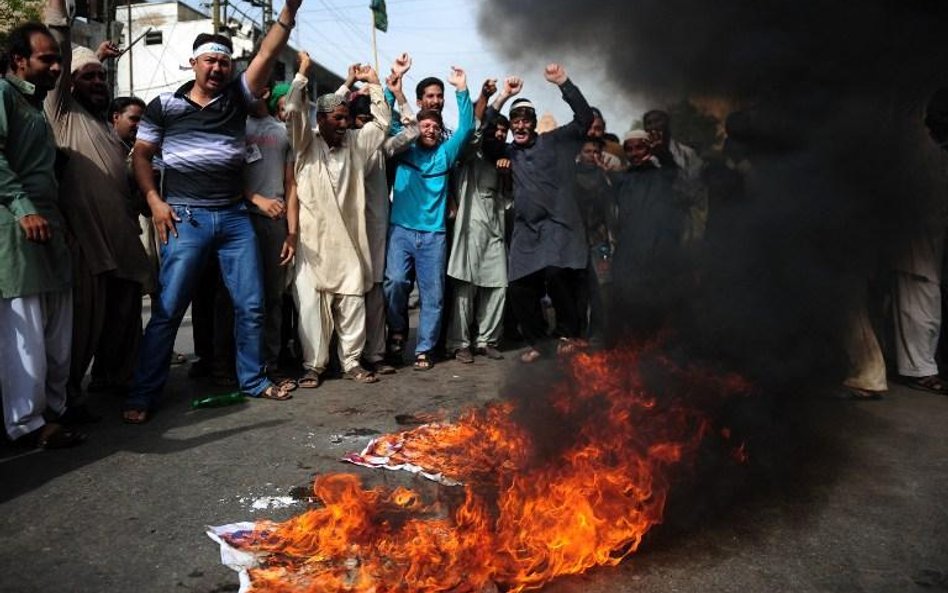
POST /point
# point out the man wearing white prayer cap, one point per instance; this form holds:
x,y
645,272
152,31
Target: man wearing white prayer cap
x,y
200,131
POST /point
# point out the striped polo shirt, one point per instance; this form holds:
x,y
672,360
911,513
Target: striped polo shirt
x,y
203,149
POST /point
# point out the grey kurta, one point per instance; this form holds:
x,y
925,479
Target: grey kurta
x,y
478,254
95,193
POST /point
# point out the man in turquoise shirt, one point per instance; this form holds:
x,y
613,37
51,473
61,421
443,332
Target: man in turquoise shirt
x,y
416,237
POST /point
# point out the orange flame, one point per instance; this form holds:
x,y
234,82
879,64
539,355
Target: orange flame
x,y
524,519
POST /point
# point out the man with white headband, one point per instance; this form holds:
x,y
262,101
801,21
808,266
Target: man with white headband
x,y
110,267
199,130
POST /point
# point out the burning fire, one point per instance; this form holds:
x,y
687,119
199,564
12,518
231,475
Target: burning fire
x,y
524,518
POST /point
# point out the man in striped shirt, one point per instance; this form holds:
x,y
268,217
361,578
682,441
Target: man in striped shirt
x,y
199,130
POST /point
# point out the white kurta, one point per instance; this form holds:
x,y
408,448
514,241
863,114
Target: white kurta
x,y
334,247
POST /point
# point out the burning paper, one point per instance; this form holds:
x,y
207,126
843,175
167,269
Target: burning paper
x,y
522,518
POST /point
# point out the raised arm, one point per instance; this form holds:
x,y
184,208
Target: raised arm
x,y
400,66
261,67
57,19
465,129
409,132
512,86
582,112
373,134
297,108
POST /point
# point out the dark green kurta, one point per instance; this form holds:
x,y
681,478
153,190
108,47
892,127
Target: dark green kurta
x,y
28,186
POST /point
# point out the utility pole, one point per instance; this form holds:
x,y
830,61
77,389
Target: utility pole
x,y
131,62
216,15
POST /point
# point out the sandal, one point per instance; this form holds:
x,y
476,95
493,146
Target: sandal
x,y
530,355
286,384
309,380
931,383
178,358
55,436
361,375
275,392
423,362
135,416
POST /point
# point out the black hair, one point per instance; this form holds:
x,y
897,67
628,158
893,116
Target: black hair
x,y
500,120
360,105
597,113
654,112
425,83
120,104
203,38
599,142
18,43
609,136
431,114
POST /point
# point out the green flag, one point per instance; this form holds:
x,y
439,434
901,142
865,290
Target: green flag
x,y
381,18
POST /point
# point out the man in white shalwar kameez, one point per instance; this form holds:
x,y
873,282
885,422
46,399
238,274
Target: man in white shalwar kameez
x,y
377,204
333,260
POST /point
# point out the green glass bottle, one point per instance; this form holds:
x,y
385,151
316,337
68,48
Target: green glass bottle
x,y
218,401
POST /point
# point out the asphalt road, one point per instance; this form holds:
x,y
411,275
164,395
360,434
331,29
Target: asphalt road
x,y
863,511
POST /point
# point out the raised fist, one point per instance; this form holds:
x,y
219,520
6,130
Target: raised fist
x,y
555,74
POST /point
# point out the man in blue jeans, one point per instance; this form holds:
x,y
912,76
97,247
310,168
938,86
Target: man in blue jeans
x,y
416,236
199,130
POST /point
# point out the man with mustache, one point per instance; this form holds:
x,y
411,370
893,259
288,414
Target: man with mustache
x,y
333,260
110,265
548,252
200,131
417,244
35,271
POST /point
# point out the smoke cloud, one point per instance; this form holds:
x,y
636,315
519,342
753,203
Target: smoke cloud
x,y
830,105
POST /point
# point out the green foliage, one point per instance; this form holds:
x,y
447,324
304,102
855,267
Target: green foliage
x,y
16,12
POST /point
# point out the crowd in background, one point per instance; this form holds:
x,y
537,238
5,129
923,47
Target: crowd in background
x,y
302,227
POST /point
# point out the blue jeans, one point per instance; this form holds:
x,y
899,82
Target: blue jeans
x,y
422,255
202,233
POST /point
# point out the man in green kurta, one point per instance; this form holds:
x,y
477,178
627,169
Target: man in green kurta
x,y
477,263
35,273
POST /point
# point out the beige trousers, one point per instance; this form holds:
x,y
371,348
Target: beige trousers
x,y
320,314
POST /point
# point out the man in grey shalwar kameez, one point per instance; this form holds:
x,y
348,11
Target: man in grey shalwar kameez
x,y
478,257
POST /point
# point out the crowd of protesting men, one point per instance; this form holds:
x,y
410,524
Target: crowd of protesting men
x,y
347,201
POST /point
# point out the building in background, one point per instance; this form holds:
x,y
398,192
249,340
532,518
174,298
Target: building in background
x,y
159,61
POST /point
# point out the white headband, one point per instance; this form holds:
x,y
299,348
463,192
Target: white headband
x,y
212,47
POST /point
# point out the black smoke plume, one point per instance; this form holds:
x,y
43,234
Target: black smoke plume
x,y
829,106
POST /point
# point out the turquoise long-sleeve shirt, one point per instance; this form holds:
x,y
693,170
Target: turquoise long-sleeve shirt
x,y
419,199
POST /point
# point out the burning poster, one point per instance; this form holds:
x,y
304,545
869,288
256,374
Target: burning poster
x,y
524,512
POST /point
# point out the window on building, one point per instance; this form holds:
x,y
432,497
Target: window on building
x,y
153,38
